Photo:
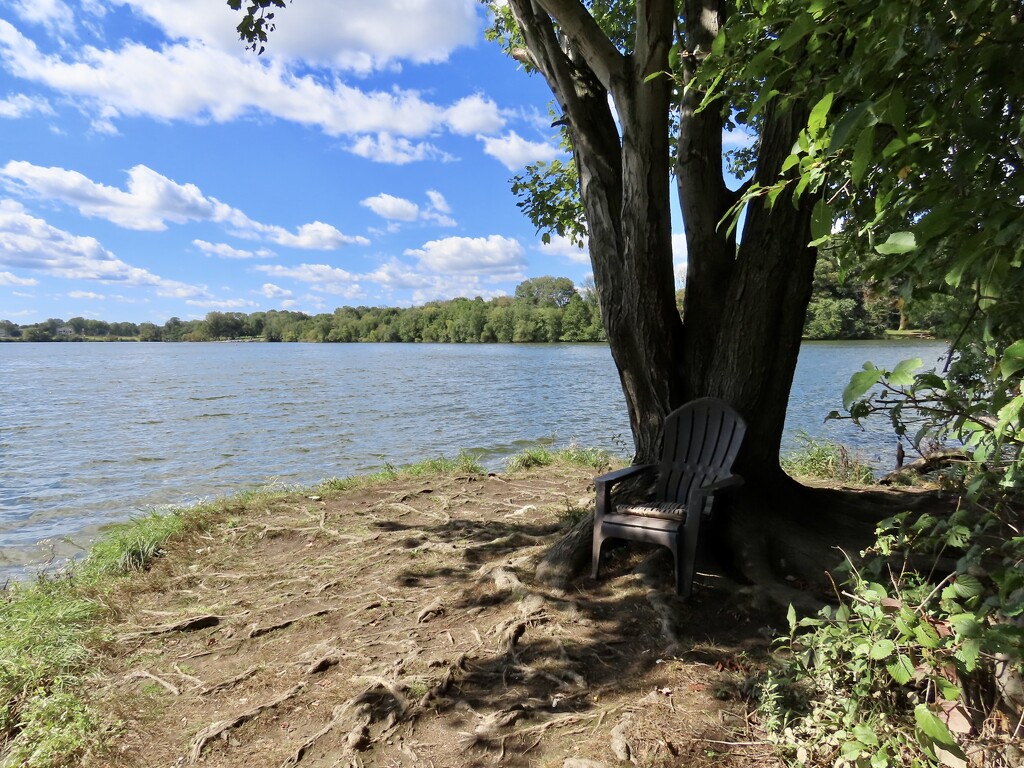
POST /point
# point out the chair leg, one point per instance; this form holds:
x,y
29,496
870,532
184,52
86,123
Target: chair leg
x,y
686,564
596,554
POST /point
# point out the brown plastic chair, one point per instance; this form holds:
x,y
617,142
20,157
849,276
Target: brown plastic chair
x,y
701,440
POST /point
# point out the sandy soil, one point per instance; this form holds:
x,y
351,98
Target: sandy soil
x,y
401,626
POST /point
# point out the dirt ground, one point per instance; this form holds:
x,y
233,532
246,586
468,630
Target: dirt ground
x,y
400,625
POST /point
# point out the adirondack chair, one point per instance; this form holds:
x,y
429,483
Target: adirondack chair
x,y
701,440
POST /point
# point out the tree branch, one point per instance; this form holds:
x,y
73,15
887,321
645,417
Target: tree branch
x,y
587,38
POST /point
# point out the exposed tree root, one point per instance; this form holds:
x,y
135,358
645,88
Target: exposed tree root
x,y
257,631
231,682
143,674
185,625
220,727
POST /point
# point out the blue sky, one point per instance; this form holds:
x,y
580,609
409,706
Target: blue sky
x,y
151,167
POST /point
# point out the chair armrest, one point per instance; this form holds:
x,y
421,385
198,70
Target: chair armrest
x,y
603,484
730,481
699,497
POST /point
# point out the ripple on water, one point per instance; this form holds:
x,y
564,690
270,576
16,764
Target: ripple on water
x,y
119,429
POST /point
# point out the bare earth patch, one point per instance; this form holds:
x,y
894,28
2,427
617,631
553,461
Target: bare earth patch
x,y
400,625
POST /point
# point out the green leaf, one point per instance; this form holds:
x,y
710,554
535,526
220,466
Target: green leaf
x,y
967,585
932,726
822,219
969,653
897,243
901,670
926,636
882,649
862,154
718,45
860,383
865,734
796,31
1013,359
845,126
903,374
819,114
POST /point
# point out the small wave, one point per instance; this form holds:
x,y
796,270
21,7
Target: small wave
x,y
211,397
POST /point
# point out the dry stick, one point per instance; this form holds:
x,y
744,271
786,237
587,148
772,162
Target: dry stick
x,y
214,730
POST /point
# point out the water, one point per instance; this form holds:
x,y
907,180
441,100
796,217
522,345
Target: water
x,y
95,433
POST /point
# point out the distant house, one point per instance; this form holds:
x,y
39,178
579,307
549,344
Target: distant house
x,y
65,330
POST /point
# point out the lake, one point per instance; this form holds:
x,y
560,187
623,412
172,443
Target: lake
x,y
98,432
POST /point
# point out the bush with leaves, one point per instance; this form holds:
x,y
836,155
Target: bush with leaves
x,y
921,662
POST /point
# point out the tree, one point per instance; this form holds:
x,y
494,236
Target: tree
x,y
547,291
644,86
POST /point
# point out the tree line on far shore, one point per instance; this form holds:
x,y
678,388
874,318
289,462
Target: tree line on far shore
x,y
543,309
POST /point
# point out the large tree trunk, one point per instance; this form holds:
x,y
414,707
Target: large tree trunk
x,y
745,304
624,184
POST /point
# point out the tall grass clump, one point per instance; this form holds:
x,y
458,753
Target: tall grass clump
x,y
48,627
44,630
463,464
572,455
826,460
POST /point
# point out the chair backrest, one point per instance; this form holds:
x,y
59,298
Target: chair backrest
x,y
701,440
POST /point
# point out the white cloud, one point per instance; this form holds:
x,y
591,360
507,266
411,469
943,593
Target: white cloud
x,y
494,255
398,209
345,34
451,288
679,258
86,295
151,200
27,242
738,139
474,114
222,304
322,277
390,207
197,83
387,148
55,15
272,291
313,236
20,105
225,251
565,248
9,278
437,201
513,151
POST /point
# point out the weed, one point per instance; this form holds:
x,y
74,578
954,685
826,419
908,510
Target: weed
x,y
828,461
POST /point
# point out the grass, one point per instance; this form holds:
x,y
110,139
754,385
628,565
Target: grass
x,y
827,461
572,455
463,464
49,626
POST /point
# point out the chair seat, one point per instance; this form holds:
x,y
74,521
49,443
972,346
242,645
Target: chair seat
x,y
663,510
